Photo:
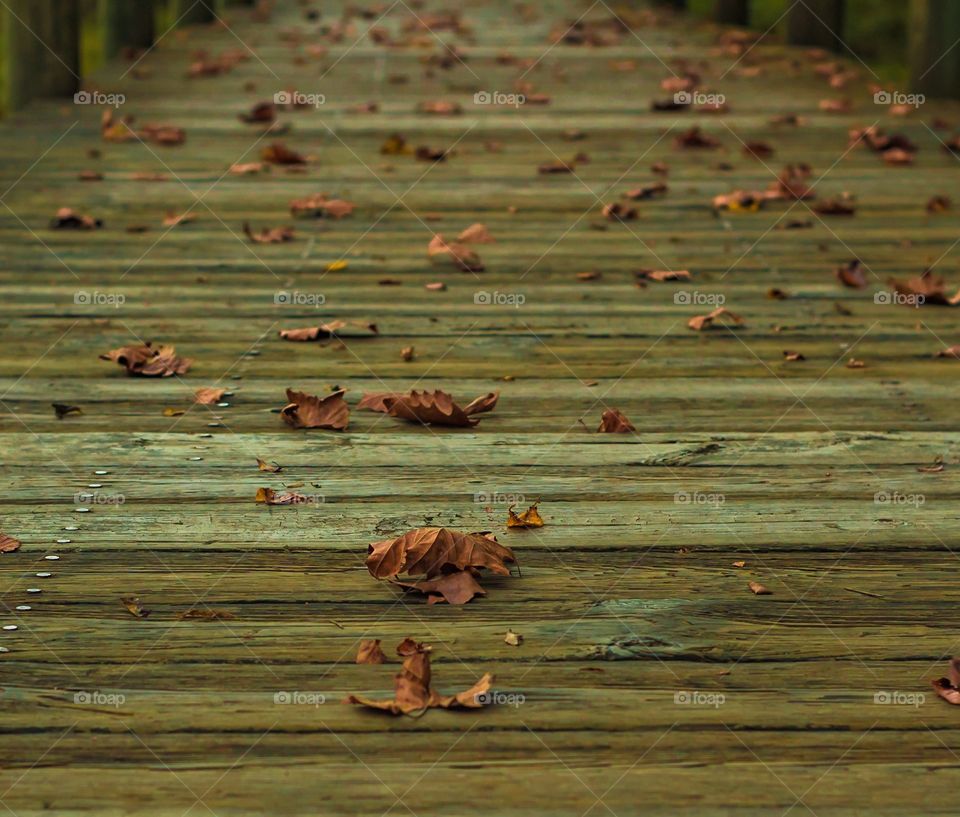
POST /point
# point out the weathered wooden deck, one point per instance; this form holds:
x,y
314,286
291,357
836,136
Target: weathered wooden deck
x,y
629,601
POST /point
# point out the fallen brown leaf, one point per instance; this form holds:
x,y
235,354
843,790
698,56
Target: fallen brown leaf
x,y
67,219
413,692
134,607
949,688
852,274
147,361
370,652
430,552
759,590
458,587
279,154
332,329
206,614
319,206
513,639
455,252
209,396
63,410
269,235
613,421
308,411
701,322
267,496
8,544
530,518
926,288
269,467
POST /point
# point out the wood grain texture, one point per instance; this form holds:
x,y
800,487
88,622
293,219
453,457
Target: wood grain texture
x,y
651,680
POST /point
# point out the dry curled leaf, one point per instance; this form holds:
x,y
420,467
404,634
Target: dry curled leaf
x,y
852,274
308,411
319,206
695,138
332,329
63,410
279,154
209,396
759,590
948,688
431,552
701,322
67,219
8,544
530,518
835,207
476,234
413,692
950,351
854,363
431,408
458,587
513,639
134,607
174,220
269,467
661,275
613,421
147,361
206,614
454,252
267,496
269,235
792,357
407,353
370,652
926,288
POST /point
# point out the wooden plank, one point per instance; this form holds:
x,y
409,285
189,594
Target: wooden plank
x,y
817,22
934,62
126,25
815,476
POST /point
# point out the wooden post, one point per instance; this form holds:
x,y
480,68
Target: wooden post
x,y
934,55
733,12
816,22
42,49
193,11
126,24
